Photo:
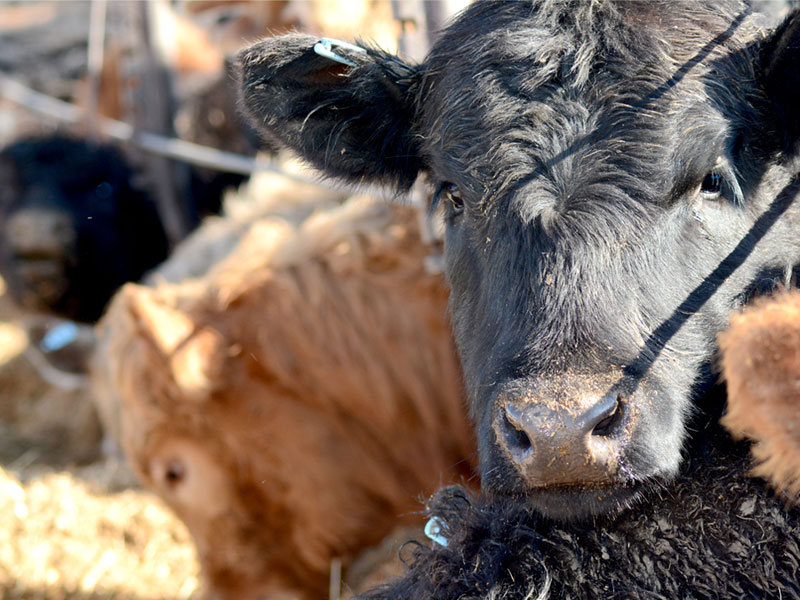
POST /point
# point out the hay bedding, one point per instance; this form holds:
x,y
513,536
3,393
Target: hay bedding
x,y
64,538
715,533
71,529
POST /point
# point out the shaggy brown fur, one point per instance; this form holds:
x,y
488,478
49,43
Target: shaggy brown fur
x,y
297,401
761,364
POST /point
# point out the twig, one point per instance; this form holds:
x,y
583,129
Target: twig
x,y
95,52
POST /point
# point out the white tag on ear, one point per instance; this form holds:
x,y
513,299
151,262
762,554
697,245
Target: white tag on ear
x,y
325,46
59,337
434,530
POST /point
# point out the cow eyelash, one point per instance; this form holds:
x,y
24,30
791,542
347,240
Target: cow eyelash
x,y
722,181
450,192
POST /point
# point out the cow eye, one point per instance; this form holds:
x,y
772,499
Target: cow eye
x,y
711,187
174,473
451,194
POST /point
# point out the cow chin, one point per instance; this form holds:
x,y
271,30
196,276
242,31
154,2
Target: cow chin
x,y
582,503
576,504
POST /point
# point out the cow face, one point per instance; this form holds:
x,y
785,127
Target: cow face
x,y
614,179
268,435
73,228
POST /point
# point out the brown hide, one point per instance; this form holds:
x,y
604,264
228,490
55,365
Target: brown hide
x,y
761,364
298,401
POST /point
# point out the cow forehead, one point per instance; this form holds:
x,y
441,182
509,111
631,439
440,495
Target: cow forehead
x,y
567,40
543,88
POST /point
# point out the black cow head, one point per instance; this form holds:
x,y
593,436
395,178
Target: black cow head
x,y
615,178
73,227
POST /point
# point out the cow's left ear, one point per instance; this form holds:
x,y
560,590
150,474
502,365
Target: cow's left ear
x,y
349,112
781,77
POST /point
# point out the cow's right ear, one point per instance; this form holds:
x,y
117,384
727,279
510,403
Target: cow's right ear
x,y
351,118
781,77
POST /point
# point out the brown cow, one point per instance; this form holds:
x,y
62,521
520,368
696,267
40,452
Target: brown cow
x,y
294,403
761,364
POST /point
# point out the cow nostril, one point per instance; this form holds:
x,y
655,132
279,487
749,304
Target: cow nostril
x,y
516,438
613,416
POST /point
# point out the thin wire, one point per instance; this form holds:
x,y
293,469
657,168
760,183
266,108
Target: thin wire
x,y
188,152
175,148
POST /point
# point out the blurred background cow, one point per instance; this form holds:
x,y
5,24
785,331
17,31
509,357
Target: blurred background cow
x,y
100,191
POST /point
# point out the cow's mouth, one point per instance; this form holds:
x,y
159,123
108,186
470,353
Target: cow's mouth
x,y
42,278
580,503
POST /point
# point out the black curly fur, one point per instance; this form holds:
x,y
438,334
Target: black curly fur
x,y
714,533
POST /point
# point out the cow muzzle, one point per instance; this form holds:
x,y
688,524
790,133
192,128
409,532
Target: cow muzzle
x,y
563,435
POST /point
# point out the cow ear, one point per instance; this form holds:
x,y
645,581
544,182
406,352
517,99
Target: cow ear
x,y
351,119
195,354
781,77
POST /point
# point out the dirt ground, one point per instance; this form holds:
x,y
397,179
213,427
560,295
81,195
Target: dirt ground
x,y
73,524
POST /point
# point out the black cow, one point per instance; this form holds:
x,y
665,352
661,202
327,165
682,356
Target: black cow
x,y
713,534
73,227
615,178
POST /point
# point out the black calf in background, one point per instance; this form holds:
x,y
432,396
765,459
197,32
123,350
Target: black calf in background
x,y
73,227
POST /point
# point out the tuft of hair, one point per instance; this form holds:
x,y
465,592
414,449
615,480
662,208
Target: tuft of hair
x,y
761,365
492,552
